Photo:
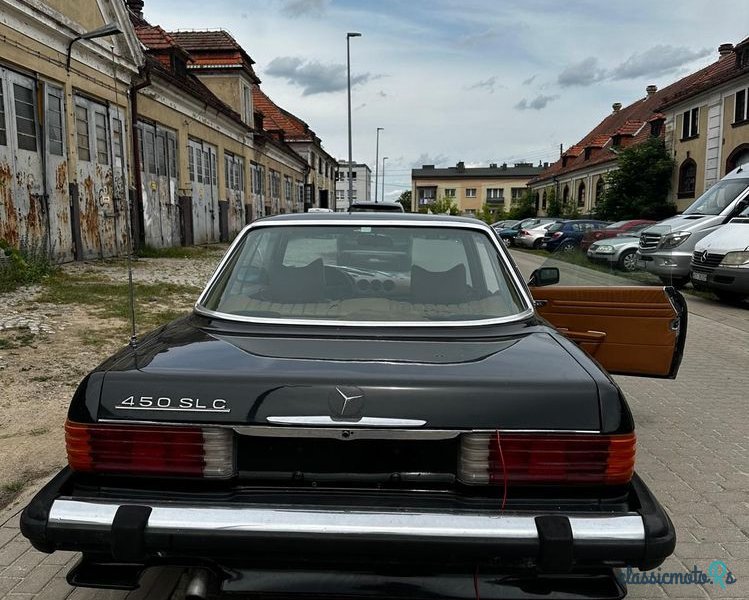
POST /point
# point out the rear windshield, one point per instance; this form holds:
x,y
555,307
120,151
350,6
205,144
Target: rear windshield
x,y
556,227
365,273
715,200
617,225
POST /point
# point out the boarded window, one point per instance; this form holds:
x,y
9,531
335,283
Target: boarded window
x,y
25,117
191,162
54,121
161,153
3,130
199,164
172,147
150,157
81,130
213,168
100,127
117,142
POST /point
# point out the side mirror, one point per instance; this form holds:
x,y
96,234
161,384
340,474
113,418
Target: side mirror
x,y
544,276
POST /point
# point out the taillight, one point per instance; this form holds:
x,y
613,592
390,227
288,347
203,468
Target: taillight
x,y
523,233
150,450
547,458
556,235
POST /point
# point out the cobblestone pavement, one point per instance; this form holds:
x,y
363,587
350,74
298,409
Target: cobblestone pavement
x,y
693,451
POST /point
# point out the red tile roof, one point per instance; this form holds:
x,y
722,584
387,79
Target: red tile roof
x,y
631,121
293,128
214,50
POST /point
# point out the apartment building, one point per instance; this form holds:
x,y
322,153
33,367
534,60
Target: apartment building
x,y
361,178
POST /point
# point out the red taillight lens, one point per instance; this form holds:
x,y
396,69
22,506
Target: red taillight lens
x,y
556,235
547,459
523,233
150,450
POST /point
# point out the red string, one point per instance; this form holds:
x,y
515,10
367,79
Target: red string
x,y
504,471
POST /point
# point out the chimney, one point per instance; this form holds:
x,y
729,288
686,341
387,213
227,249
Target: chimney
x,y
492,165
427,166
725,50
651,89
135,6
461,166
504,166
617,106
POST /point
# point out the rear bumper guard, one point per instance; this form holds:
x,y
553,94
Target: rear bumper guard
x,y
140,531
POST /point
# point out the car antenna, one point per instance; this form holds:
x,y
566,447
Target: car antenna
x,y
130,248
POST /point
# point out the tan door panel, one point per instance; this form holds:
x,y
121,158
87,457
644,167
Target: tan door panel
x,y
629,330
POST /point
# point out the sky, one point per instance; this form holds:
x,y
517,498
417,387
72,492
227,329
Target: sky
x,y
477,81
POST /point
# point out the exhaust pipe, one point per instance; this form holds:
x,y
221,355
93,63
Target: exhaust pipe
x,y
197,588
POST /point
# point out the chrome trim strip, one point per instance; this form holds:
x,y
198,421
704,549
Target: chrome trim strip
x,y
67,513
326,421
502,252
341,426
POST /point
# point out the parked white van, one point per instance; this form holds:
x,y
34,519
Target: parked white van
x,y
720,262
666,248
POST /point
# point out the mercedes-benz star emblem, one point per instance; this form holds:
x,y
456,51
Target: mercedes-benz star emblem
x,y
346,403
703,258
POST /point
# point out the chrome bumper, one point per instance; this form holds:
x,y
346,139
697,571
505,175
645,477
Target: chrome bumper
x,y
405,525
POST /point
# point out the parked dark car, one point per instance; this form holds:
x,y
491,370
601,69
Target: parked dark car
x,y
632,227
567,235
355,408
361,206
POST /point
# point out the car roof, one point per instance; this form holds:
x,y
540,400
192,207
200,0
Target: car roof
x,y
369,216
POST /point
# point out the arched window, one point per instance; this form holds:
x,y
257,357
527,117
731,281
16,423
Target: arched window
x,y
581,194
687,178
565,194
600,188
739,156
543,200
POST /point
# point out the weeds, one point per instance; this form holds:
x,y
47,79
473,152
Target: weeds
x,y
177,252
22,267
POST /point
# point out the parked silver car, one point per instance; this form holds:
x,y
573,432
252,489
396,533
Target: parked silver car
x,y
619,252
532,237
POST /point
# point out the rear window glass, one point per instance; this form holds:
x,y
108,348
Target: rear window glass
x,y
365,273
556,227
617,225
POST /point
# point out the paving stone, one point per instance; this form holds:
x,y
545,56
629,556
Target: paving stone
x,y
37,579
56,589
11,551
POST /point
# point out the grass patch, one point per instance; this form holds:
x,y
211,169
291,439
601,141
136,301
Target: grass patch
x,y
178,252
6,344
22,267
38,431
155,303
13,487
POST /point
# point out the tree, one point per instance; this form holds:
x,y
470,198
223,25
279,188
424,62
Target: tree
x,y
405,200
553,206
638,188
525,208
490,215
443,206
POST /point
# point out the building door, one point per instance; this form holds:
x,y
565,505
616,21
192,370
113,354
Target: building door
x,y
24,220
235,196
102,206
203,176
159,183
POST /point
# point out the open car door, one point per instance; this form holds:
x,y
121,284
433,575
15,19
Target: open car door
x,y
628,330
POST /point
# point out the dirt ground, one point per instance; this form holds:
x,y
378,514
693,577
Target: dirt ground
x,y
47,347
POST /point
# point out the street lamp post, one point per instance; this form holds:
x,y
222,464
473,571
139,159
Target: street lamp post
x,y
349,35
377,159
105,31
384,158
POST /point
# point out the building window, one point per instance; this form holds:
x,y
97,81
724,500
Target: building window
x,y
190,162
581,194
25,117
517,194
495,195
450,193
656,127
543,200
199,164
689,122
161,153
100,129
172,147
54,121
275,184
3,130
319,165
247,104
587,153
600,189
117,143
565,194
81,130
741,106
470,192
687,178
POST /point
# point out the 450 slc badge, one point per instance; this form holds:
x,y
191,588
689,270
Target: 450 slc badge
x,y
164,403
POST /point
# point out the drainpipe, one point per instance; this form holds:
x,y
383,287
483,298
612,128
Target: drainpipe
x,y
138,235
41,106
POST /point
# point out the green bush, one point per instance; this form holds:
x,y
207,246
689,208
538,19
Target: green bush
x,y
22,267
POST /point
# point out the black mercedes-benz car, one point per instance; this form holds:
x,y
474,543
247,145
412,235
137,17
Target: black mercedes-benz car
x,y
370,405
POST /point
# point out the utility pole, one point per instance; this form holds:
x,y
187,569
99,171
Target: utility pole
x,y
377,159
349,35
384,158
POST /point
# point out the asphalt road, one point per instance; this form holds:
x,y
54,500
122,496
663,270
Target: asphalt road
x,y
693,451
